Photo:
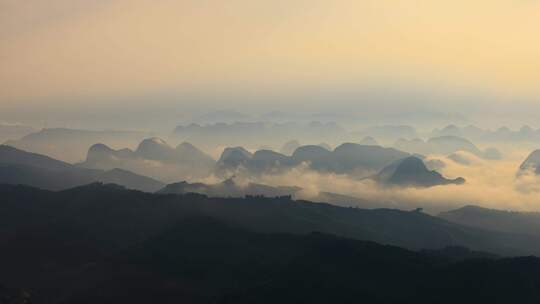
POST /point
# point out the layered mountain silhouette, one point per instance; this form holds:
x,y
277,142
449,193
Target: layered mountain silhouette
x,y
444,145
156,149
389,133
153,157
71,145
504,134
317,156
250,134
531,164
232,159
348,158
103,244
451,144
354,156
20,167
412,172
109,213
451,130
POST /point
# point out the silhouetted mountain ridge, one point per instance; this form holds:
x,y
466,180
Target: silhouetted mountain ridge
x,y
531,163
403,228
412,171
348,158
153,157
103,244
444,145
71,145
20,167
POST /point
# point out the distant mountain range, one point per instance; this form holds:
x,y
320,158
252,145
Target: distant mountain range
x,y
353,159
20,167
251,134
388,133
155,158
394,167
71,145
502,134
444,145
412,172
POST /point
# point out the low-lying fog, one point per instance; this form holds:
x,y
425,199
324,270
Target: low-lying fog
x,y
489,183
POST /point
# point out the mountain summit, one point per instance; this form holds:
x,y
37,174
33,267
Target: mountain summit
x,y
153,157
412,172
531,163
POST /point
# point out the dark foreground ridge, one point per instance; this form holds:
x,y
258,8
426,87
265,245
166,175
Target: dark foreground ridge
x,y
25,168
105,244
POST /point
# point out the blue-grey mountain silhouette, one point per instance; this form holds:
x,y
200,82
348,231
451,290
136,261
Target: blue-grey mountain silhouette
x,y
257,133
444,145
20,167
531,163
71,145
352,159
232,159
390,132
153,157
412,172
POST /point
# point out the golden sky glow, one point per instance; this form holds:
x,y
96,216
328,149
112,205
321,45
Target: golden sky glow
x,y
70,48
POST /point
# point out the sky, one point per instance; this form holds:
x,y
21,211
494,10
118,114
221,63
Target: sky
x,y
77,55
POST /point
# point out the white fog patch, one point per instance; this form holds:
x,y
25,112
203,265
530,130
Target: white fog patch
x,y
489,183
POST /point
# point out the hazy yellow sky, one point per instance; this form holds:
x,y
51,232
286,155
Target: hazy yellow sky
x,y
64,49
